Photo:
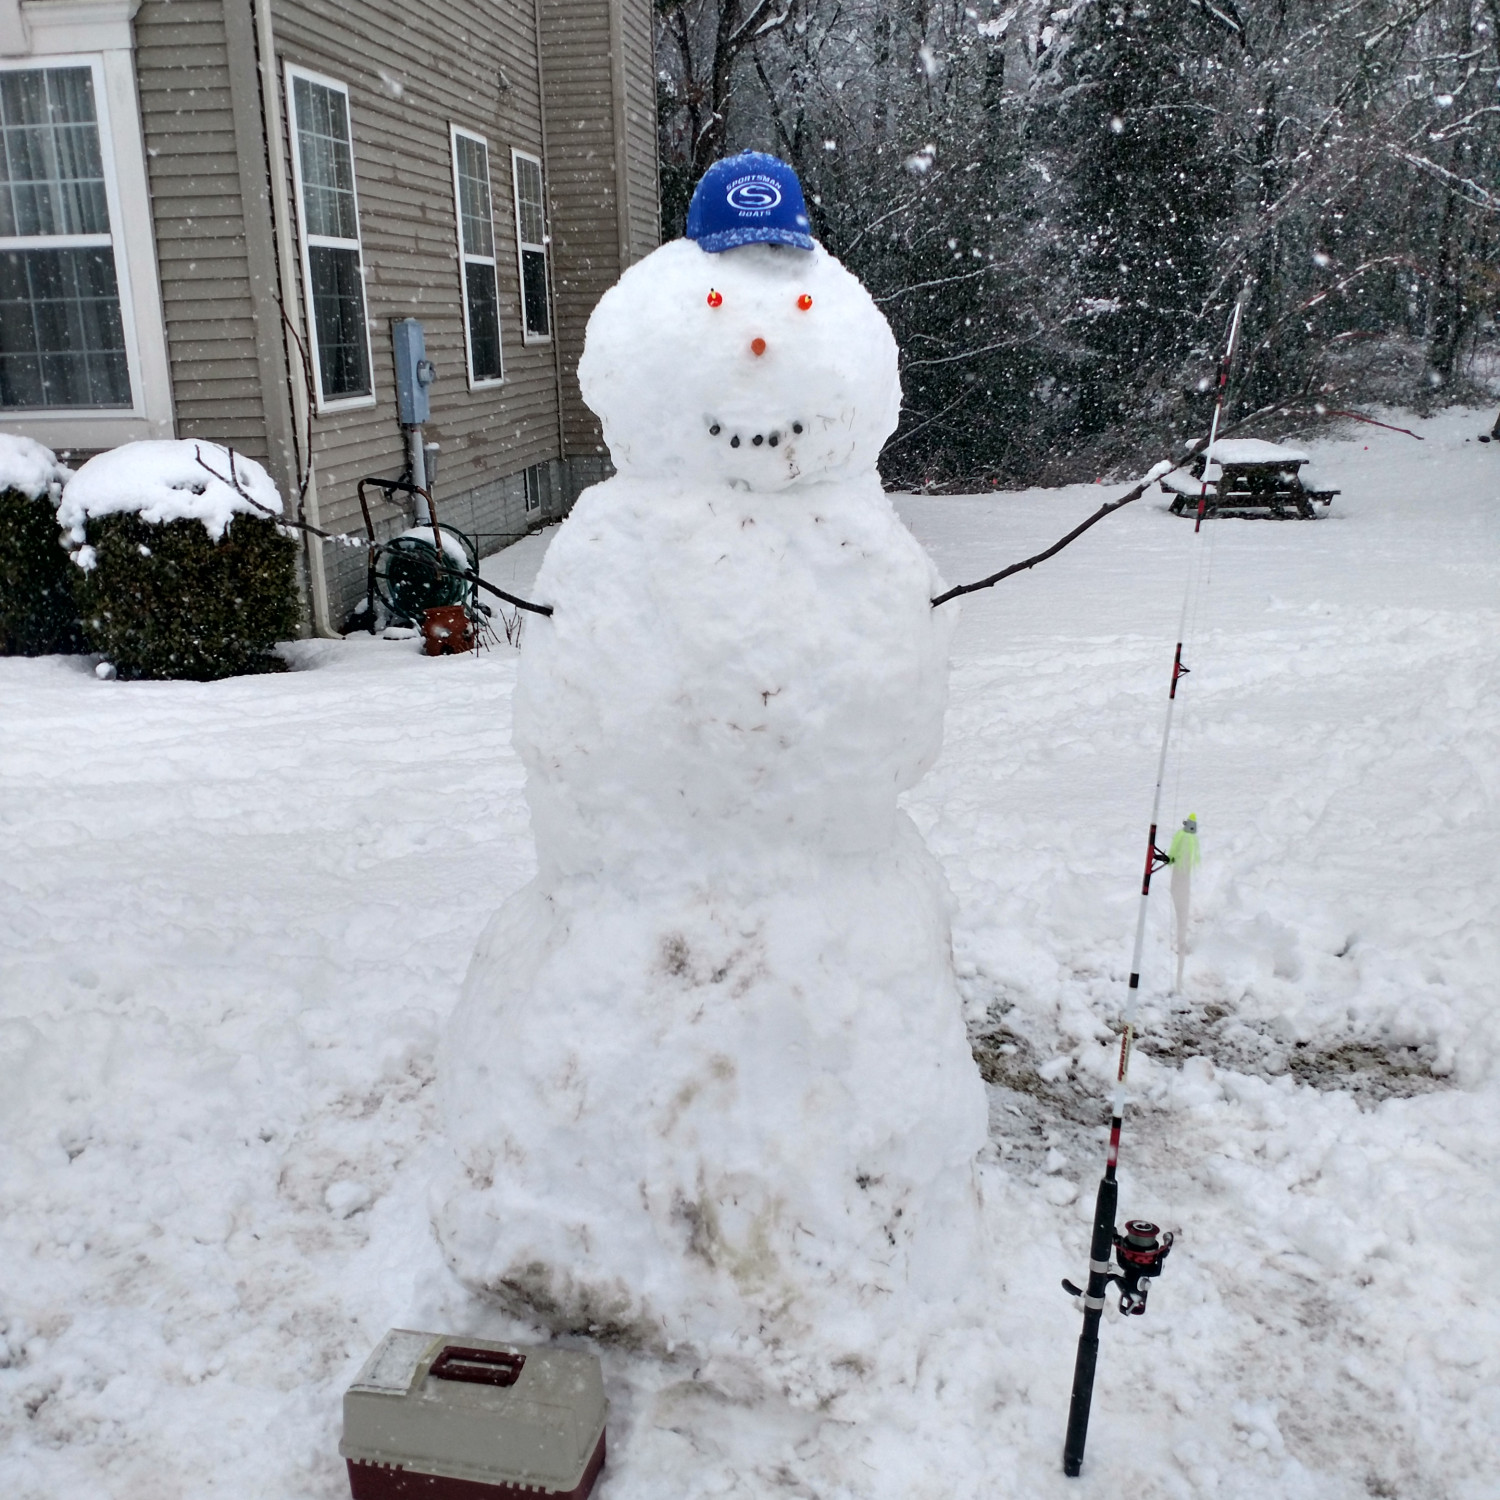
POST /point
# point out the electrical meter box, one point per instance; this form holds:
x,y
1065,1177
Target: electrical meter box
x,y
414,371
457,1418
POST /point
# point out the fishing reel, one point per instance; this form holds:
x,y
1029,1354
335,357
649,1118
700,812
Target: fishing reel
x,y
1142,1252
1142,1255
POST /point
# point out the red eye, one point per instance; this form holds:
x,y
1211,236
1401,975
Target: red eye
x,y
715,299
804,302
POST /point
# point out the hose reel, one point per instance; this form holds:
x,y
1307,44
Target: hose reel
x,y
408,575
409,578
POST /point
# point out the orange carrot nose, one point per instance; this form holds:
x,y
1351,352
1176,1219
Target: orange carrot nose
x,y
757,346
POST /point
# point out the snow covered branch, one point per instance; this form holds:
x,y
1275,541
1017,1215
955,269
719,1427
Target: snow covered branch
x,y
1466,188
1398,24
1222,13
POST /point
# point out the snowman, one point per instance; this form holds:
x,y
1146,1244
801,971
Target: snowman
x,y
707,1090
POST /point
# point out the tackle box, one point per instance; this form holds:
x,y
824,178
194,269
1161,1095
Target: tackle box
x,y
439,1417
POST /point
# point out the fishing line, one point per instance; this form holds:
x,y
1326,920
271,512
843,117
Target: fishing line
x,y
1187,751
1191,736
1184,752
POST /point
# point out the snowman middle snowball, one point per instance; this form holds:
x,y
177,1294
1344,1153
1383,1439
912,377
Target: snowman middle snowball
x,y
708,1088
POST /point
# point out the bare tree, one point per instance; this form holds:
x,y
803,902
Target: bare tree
x,y
699,44
1056,201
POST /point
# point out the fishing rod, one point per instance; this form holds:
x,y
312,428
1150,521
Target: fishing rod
x,y
1142,1249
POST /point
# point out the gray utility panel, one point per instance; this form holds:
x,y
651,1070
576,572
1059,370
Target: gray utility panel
x,y
456,1418
414,372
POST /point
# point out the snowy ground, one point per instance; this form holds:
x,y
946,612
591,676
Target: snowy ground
x,y
233,917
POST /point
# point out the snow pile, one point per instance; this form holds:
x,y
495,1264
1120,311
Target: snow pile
x,y
682,395
708,1086
29,467
168,480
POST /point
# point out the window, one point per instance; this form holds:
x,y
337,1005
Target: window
x,y
62,324
533,489
531,236
328,218
476,257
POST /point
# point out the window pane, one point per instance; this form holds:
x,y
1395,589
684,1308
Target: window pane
x,y
529,208
474,197
339,316
534,290
484,320
62,342
51,170
327,161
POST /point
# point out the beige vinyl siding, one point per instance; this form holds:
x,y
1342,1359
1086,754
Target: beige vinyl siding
x,y
644,192
581,186
410,73
192,163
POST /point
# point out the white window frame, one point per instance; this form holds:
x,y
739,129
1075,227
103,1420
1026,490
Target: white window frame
x,y
57,38
309,313
523,245
491,382
531,502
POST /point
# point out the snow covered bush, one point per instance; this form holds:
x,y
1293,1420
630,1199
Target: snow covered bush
x,y
185,572
37,609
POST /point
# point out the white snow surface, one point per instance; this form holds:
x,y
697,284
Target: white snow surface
x,y
168,479
226,959
730,988
29,466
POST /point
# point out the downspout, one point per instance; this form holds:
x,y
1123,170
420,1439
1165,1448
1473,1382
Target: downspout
x,y
281,215
654,237
557,374
618,115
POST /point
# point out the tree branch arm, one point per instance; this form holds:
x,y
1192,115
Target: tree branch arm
x,y
1164,467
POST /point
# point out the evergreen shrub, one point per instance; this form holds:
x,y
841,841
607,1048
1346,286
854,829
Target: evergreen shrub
x,y
165,599
38,610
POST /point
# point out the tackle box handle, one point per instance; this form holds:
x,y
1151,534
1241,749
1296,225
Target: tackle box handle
x,y
477,1366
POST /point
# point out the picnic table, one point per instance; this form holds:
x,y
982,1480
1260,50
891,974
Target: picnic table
x,y
1248,475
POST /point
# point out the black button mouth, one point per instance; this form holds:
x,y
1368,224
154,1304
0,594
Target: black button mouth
x,y
760,439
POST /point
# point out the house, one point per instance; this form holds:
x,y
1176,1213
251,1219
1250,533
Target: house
x,y
216,214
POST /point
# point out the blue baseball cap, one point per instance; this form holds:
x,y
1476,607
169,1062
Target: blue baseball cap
x,y
748,198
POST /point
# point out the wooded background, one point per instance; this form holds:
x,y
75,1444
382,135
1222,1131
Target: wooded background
x,y
1056,205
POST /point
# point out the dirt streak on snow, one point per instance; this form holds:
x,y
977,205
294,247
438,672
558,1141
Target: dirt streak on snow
x,y
234,916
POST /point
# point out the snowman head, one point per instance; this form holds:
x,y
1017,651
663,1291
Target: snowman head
x,y
761,366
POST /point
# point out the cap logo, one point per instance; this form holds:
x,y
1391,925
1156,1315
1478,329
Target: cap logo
x,y
753,194
747,199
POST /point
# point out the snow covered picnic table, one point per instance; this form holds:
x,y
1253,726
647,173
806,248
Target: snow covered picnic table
x,y
236,915
1247,474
